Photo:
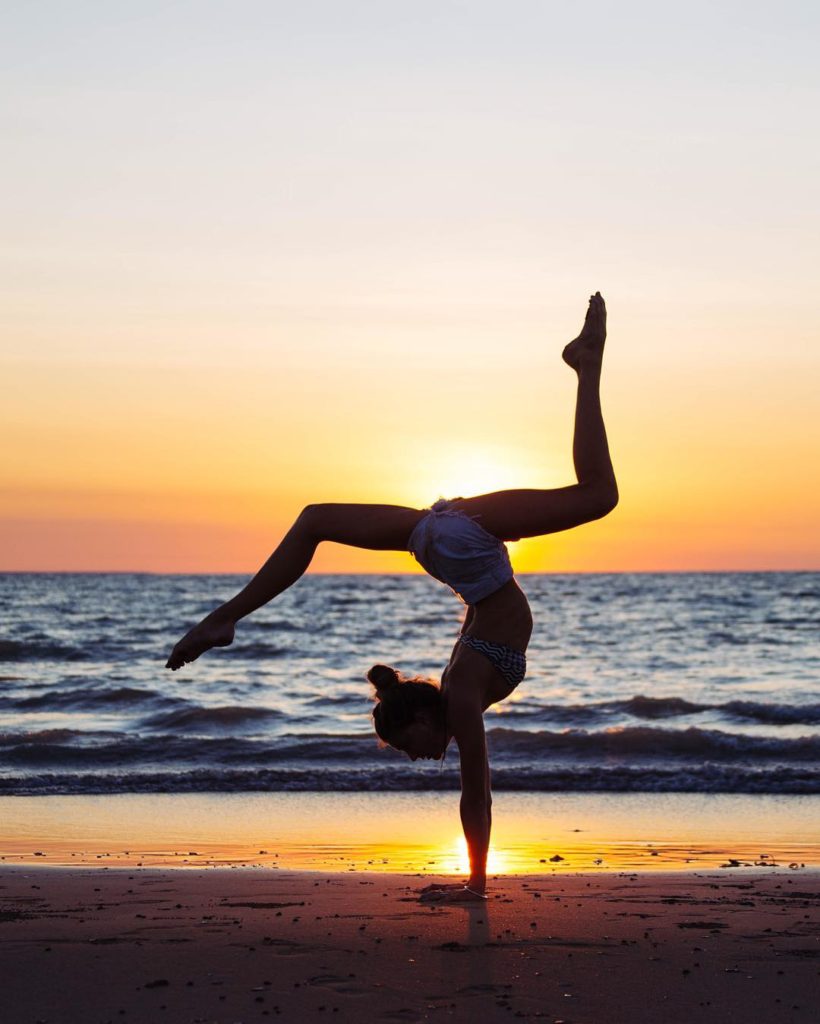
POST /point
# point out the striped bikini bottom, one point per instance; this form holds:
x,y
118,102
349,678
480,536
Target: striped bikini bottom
x,y
510,663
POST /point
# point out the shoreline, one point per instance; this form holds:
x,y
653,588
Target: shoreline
x,y
533,833
221,946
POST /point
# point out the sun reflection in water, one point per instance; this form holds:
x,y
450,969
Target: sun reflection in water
x,y
456,860
408,833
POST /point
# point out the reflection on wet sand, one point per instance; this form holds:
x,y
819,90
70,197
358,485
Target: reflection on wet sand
x,y
532,833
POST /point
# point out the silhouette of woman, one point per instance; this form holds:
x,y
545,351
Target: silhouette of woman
x,y
461,543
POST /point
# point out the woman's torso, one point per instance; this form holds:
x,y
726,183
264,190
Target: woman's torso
x,y
502,618
454,548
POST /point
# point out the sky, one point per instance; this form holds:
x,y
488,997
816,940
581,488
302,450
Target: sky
x,y
262,254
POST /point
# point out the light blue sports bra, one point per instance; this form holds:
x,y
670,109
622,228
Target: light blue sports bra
x,y
454,549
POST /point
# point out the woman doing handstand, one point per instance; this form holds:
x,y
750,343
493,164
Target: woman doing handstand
x,y
461,543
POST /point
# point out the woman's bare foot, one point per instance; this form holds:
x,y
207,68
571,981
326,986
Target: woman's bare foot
x,y
213,631
588,347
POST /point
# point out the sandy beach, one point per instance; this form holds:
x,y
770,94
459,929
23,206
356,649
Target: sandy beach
x,y
224,946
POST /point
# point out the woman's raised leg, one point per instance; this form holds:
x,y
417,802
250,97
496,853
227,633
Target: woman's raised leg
x,y
513,514
378,527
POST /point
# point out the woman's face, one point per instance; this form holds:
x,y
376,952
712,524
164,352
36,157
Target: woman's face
x,y
424,739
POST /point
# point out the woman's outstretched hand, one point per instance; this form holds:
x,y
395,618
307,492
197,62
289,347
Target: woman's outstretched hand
x,y
213,631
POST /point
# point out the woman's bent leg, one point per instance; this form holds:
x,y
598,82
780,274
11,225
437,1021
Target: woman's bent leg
x,y
378,527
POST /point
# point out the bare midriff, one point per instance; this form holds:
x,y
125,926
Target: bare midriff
x,y
504,617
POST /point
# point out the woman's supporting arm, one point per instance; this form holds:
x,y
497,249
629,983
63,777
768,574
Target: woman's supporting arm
x,y
476,799
475,820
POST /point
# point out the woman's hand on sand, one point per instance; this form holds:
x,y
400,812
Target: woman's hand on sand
x,y
452,894
441,887
213,631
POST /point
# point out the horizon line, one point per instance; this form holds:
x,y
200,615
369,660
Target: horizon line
x,y
542,572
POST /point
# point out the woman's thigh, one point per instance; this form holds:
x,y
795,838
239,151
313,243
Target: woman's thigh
x,y
378,527
527,512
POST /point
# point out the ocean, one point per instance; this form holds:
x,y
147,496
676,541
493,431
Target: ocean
x,y
700,683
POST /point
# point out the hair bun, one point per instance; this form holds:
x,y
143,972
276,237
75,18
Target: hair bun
x,y
383,678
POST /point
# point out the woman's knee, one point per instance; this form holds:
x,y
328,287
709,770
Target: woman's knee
x,y
309,521
603,498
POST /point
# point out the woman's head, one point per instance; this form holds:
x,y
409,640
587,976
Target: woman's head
x,y
409,713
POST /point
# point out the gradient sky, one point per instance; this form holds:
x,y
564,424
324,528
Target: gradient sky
x,y
260,254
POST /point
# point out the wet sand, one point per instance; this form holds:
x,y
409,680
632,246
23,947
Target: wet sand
x,y
92,945
533,833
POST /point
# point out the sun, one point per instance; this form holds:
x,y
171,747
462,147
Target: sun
x,y
462,470
455,859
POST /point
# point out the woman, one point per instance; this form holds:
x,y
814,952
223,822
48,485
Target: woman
x,y
460,542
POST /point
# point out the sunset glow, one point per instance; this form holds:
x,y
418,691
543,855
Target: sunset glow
x,y
459,860
340,262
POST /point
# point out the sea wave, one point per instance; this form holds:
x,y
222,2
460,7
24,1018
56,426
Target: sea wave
x,y
578,778
509,747
183,714
646,741
774,714
49,736
219,718
653,708
39,650
256,650
89,698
